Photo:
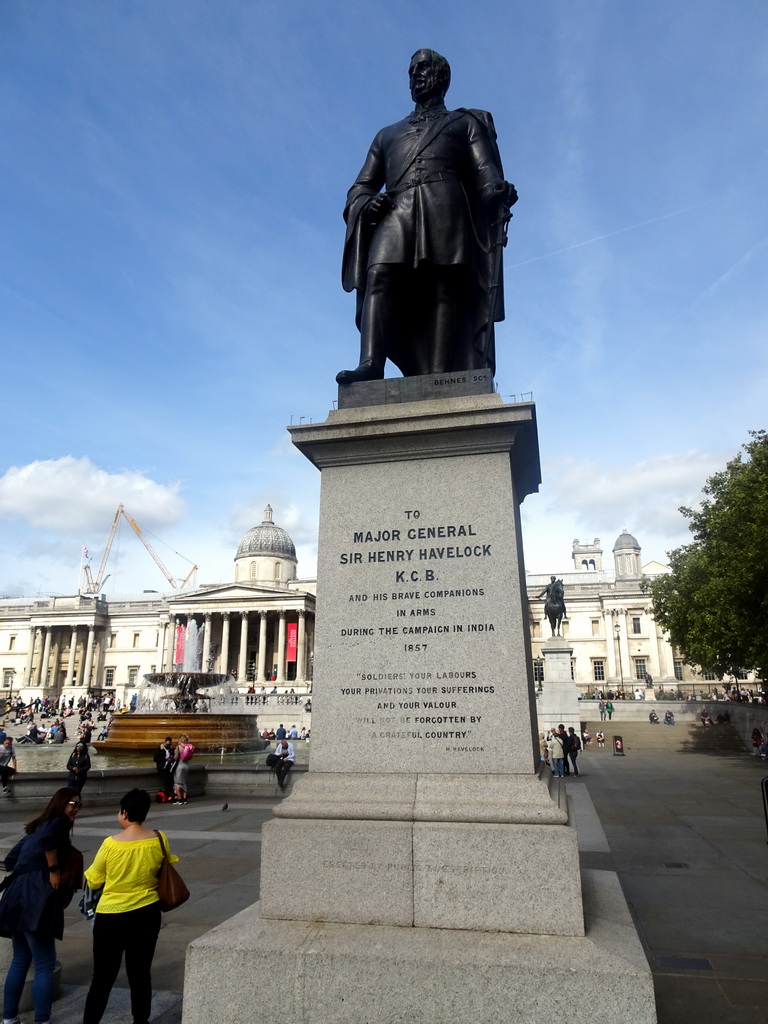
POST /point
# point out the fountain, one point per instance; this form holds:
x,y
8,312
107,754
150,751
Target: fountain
x,y
172,703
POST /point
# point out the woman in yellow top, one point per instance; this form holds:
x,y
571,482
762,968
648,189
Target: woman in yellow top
x,y
128,913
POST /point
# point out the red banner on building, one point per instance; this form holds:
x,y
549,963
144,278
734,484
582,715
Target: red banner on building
x,y
178,651
293,641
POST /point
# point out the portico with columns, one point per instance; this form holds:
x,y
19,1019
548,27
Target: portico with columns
x,y
260,628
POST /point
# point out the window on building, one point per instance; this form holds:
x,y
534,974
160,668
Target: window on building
x,y
536,629
278,571
678,670
709,676
595,627
538,670
636,625
598,670
7,678
109,677
573,669
133,675
11,642
641,668
254,570
742,674
112,639
566,628
136,638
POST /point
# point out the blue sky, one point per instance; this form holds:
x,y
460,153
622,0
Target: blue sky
x,y
174,173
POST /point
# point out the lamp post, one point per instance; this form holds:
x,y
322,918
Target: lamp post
x,y
539,673
617,631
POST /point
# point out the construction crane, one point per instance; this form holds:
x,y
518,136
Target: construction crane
x,y
93,586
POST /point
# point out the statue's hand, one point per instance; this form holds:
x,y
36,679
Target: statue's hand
x,y
502,193
378,207
510,194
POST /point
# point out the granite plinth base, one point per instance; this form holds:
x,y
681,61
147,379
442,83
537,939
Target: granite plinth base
x,y
458,875
363,974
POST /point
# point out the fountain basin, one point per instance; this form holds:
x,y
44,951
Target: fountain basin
x,y
210,733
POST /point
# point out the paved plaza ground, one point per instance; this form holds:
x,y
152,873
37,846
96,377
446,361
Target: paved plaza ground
x,y
685,832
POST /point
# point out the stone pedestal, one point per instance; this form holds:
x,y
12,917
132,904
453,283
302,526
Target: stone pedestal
x,y
427,869
559,701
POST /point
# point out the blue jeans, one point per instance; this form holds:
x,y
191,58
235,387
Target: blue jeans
x,y
557,767
29,946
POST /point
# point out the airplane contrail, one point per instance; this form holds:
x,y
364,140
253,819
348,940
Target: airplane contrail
x,y
610,234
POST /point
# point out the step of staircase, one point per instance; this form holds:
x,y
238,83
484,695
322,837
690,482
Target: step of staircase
x,y
681,737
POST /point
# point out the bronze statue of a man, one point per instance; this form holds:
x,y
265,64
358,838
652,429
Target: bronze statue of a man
x,y
554,604
424,255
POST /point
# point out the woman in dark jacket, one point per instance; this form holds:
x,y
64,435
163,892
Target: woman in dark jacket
x,y
32,904
78,766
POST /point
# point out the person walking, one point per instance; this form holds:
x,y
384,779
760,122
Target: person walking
x,y
33,901
574,746
128,912
7,763
78,766
183,756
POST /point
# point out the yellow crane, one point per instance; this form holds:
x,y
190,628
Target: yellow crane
x,y
93,586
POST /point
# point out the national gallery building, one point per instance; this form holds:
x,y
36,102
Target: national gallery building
x,y
609,623
260,628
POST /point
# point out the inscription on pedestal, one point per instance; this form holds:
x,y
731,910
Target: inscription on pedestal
x,y
423,640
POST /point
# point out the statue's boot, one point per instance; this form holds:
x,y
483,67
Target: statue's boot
x,y
369,369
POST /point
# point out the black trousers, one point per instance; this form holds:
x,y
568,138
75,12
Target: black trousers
x,y
281,765
135,934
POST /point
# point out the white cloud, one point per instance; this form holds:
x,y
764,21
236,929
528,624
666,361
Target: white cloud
x,y
73,495
587,499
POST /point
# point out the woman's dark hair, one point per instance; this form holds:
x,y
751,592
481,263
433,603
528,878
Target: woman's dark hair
x,y
136,804
56,808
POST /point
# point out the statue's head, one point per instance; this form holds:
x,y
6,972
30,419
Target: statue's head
x,y
429,75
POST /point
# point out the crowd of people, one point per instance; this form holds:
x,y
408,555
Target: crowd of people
x,y
44,870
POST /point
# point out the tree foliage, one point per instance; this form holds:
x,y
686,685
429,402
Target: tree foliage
x,y
715,602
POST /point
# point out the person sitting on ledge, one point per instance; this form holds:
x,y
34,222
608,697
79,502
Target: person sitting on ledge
x,y
282,760
653,718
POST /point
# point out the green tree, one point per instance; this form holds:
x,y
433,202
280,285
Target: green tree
x,y
715,602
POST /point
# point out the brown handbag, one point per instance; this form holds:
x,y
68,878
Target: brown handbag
x,y
171,889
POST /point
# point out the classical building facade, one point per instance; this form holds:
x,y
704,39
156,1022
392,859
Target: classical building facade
x,y
610,626
260,628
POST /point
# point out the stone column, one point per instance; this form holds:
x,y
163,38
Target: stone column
x,y
27,677
161,627
224,662
206,640
87,669
612,669
419,884
242,664
46,656
654,667
71,659
281,649
559,698
262,646
301,647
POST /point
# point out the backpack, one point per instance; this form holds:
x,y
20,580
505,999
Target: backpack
x,y
187,750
